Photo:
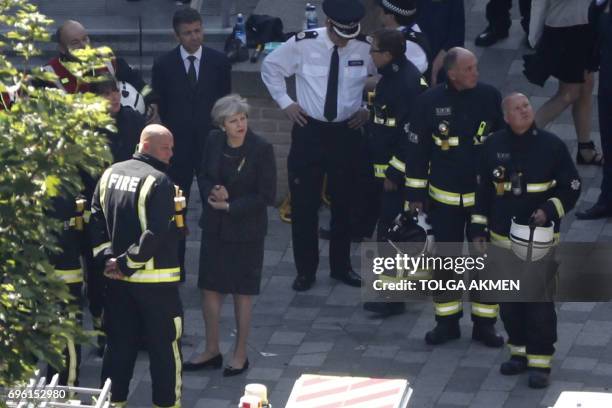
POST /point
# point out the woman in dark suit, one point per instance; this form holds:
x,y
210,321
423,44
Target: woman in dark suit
x,y
237,182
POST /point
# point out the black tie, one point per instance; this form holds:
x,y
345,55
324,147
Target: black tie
x,y
191,73
331,97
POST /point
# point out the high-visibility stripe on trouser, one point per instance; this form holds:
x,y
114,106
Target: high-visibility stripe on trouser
x,y
72,363
449,308
178,327
519,351
484,310
539,361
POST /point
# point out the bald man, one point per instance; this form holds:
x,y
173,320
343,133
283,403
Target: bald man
x,y
72,35
449,124
136,225
526,175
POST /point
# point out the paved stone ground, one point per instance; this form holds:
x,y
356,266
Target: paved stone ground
x,y
325,330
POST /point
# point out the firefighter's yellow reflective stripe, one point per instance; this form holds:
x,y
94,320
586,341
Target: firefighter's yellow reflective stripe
x,y
379,170
389,122
499,240
517,350
452,141
538,361
558,206
541,187
397,164
100,248
444,196
448,309
102,192
72,362
479,219
70,275
450,198
154,276
142,210
146,90
416,183
178,365
87,216
507,185
133,264
482,310
424,82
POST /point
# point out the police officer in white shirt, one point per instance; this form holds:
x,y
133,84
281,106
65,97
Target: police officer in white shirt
x,y
331,65
401,15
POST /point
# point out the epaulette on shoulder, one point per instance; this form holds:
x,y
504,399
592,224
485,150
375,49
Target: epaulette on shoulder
x,y
303,35
364,38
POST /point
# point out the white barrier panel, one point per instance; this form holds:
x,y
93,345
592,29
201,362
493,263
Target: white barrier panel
x,y
321,391
573,399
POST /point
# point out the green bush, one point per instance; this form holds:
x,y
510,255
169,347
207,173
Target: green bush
x,y
45,138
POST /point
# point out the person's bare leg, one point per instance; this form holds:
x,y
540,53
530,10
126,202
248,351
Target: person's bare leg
x,y
242,310
566,95
582,110
211,310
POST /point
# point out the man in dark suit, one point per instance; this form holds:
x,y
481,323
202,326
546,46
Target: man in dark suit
x,y
187,81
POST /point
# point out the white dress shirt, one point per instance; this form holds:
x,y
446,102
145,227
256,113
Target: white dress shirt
x,y
197,54
309,59
414,52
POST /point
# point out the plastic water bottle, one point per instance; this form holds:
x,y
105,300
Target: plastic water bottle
x,y
239,30
311,17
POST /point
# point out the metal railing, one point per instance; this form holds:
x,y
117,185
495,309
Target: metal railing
x,y
38,394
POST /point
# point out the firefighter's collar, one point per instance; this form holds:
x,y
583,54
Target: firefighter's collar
x,y
532,131
393,66
150,160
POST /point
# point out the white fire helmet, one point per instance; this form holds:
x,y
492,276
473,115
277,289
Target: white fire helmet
x,y
131,97
543,239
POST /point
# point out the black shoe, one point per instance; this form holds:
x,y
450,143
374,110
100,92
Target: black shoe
x,y
486,334
442,333
538,379
385,309
324,233
230,371
489,37
215,362
595,212
350,278
514,366
302,283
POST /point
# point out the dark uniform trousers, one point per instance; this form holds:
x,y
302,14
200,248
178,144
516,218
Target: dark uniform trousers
x,y
604,100
498,14
532,331
72,351
321,148
154,309
451,225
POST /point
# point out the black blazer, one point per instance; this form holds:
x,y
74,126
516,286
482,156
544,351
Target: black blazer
x,y
250,192
185,110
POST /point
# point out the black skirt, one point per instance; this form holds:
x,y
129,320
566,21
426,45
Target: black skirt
x,y
230,267
563,52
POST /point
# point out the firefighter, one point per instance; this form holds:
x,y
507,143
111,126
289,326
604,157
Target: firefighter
x,y
525,172
395,95
67,266
135,232
447,129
